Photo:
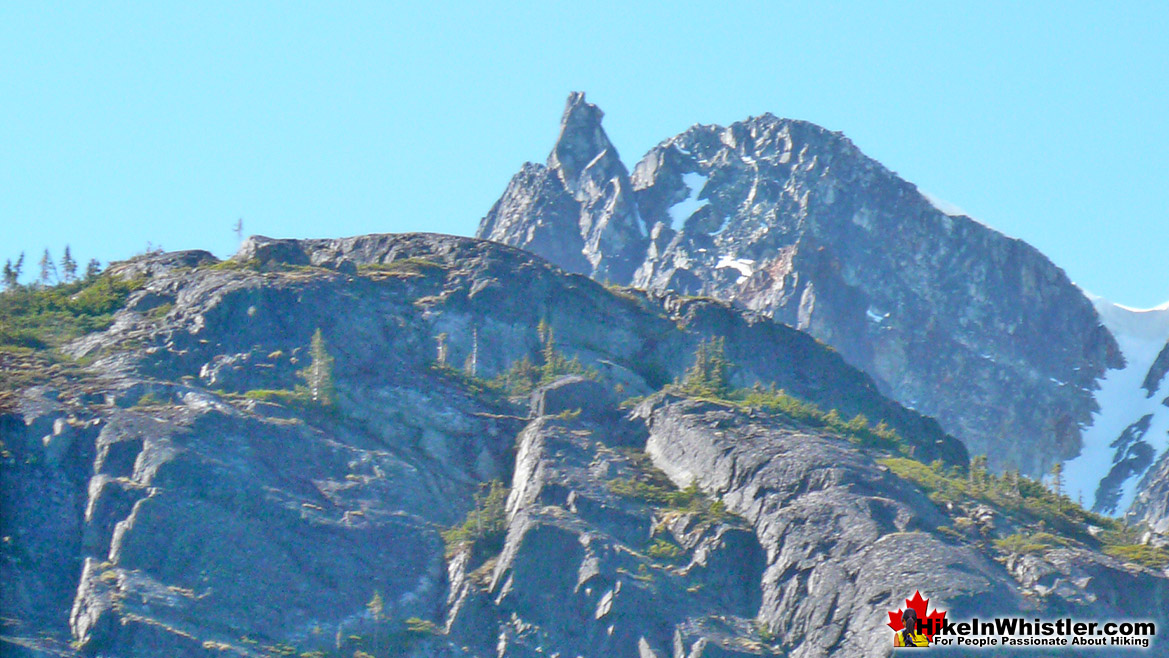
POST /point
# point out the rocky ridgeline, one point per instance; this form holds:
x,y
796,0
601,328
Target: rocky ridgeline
x,y
948,316
173,493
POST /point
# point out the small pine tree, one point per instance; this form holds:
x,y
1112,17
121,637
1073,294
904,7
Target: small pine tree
x,y
471,367
9,275
1057,481
68,266
48,270
93,269
18,268
978,470
442,348
710,374
377,608
319,373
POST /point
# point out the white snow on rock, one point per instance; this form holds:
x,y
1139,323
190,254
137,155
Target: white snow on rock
x,y
1141,334
681,211
745,266
875,315
945,207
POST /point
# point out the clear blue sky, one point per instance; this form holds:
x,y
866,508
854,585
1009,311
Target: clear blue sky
x,y
122,123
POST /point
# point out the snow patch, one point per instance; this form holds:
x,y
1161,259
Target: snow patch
x,y
875,315
745,266
1141,334
681,211
943,206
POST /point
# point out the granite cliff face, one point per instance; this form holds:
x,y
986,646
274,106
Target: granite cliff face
x,y
171,493
783,217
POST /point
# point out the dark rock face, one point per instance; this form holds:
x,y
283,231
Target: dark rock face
x,y
1133,457
948,316
1157,372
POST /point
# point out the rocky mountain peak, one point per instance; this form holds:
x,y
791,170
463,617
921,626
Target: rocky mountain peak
x,y
792,220
578,211
584,159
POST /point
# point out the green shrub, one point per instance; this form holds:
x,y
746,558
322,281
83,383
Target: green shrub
x,y
1048,519
1021,544
858,430
44,317
652,487
523,376
486,522
664,549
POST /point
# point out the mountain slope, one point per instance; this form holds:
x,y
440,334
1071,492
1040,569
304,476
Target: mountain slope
x,y
1131,429
172,493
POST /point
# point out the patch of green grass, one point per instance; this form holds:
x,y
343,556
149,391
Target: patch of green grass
x,y
1025,544
665,550
652,487
403,267
419,626
1142,554
294,397
149,400
46,317
628,293
159,312
233,265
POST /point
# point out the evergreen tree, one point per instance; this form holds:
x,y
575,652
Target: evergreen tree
x,y
9,275
18,268
442,348
710,374
319,373
978,470
68,266
1057,480
48,270
376,609
93,269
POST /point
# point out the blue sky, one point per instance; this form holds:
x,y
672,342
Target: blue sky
x,y
123,123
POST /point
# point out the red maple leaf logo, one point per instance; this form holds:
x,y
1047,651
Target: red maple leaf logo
x,y
919,606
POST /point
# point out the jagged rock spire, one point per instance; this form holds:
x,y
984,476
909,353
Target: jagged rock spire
x,y
583,157
579,211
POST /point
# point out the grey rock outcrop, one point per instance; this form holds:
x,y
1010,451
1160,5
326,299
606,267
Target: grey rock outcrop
x,y
177,495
